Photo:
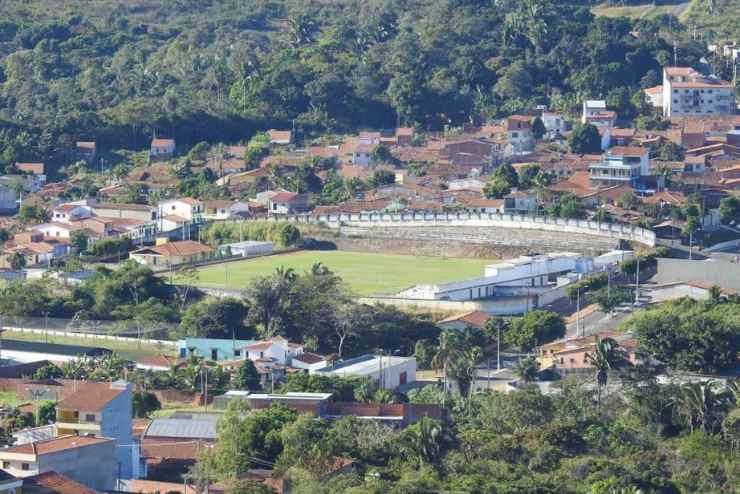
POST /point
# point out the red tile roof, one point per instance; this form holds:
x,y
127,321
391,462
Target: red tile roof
x,y
173,449
283,197
56,444
54,483
90,400
35,168
310,358
475,318
156,487
178,248
632,151
163,142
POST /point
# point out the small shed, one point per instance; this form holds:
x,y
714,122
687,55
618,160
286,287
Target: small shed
x,y
248,248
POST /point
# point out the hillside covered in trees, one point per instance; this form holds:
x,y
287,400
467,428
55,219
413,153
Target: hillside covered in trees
x,y
119,72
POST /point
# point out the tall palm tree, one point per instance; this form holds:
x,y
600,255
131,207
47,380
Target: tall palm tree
x,y
607,355
446,356
701,405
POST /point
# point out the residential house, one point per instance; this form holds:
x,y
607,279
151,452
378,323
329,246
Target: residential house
x,y
555,124
481,205
212,348
37,249
162,149
287,203
86,150
360,154
654,96
187,208
175,443
173,253
54,483
280,137
69,212
686,92
32,168
595,113
519,135
230,162
621,137
621,165
520,202
388,371
277,349
475,319
404,136
56,230
369,138
220,209
571,354
103,411
86,459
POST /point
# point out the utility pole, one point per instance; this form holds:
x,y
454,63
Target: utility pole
x,y
691,242
578,311
46,326
498,348
637,281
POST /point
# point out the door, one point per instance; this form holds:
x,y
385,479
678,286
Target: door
x,y
214,354
402,378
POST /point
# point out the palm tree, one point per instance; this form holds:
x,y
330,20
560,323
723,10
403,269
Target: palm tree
x,y
526,369
423,440
700,405
446,356
607,355
365,392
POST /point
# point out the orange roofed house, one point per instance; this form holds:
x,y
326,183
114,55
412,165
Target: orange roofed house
x,y
103,410
86,459
173,253
162,149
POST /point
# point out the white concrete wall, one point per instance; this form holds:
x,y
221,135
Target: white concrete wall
x,y
481,220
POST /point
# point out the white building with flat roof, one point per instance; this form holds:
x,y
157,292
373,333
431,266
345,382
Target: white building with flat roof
x,y
505,278
686,92
388,371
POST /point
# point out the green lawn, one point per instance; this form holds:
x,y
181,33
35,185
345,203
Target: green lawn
x,y
365,273
645,10
129,350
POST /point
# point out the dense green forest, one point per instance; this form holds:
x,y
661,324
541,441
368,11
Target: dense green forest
x,y
217,70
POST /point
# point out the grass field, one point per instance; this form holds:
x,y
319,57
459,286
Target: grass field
x,y
365,273
128,350
646,10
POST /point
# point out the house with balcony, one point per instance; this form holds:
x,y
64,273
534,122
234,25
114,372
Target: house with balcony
x,y
103,411
686,92
88,460
621,165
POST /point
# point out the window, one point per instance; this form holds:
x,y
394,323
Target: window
x,y
25,466
89,417
237,353
262,354
675,101
515,134
6,464
214,354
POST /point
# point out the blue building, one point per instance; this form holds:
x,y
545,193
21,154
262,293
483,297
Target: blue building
x,y
212,348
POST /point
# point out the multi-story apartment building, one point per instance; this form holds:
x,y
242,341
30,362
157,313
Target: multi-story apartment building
x,y
104,412
686,92
621,165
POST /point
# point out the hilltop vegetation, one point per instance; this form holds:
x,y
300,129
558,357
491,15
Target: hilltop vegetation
x,y
718,18
119,72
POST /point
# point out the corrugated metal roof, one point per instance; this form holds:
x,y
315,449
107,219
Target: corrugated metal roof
x,y
202,428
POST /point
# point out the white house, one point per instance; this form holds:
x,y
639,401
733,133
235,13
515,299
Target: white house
x,y
389,372
592,107
220,209
654,96
287,203
621,164
519,137
68,212
186,207
554,123
362,154
309,361
277,349
56,230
